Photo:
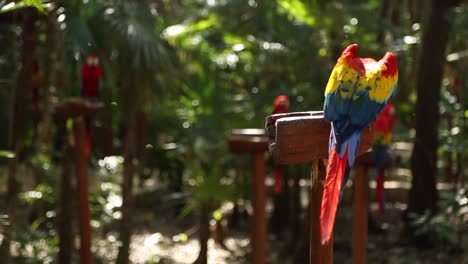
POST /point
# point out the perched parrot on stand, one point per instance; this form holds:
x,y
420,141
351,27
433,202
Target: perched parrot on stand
x,y
358,89
91,75
383,127
280,105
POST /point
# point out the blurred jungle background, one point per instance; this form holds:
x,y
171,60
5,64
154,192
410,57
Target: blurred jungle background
x,y
176,77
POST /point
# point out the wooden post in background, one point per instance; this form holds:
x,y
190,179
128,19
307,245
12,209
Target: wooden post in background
x,y
259,225
360,205
254,142
303,137
318,253
81,167
65,213
77,109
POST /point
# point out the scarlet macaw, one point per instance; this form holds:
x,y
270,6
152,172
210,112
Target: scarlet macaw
x,y
358,89
91,75
280,105
383,127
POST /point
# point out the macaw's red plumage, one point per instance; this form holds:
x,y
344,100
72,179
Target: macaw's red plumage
x,y
383,128
91,76
356,92
280,105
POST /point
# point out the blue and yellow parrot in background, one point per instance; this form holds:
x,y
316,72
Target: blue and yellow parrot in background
x,y
358,89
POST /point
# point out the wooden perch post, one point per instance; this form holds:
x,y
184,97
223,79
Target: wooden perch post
x,y
303,137
77,109
254,141
361,202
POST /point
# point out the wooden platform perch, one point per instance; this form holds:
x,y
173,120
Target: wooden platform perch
x,y
75,107
255,142
303,137
78,109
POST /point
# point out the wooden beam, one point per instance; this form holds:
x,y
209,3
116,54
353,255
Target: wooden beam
x,y
75,107
259,223
78,109
303,137
255,142
360,215
81,168
319,254
248,140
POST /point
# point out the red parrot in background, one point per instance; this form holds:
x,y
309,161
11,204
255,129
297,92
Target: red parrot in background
x,y
280,105
91,76
358,89
383,128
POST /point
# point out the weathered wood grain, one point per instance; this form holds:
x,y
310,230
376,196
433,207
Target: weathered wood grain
x,y
303,136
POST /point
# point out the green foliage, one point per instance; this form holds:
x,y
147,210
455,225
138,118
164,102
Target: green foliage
x,y
42,192
38,242
298,10
208,187
443,228
8,7
6,154
203,68
106,197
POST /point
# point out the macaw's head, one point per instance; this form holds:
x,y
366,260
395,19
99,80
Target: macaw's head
x,y
281,104
92,60
389,59
350,51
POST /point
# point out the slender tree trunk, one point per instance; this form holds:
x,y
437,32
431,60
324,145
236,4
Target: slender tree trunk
x,y
204,233
382,19
22,99
294,209
44,141
66,218
423,194
129,169
107,145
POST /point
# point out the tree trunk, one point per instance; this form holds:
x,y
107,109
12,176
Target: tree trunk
x,y
423,194
130,167
107,135
66,216
204,233
22,99
382,19
44,140
295,211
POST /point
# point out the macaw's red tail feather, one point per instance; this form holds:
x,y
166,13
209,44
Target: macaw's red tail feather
x,y
379,190
88,138
277,186
336,171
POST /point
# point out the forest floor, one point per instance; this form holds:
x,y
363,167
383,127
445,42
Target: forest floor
x,y
157,239
160,236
